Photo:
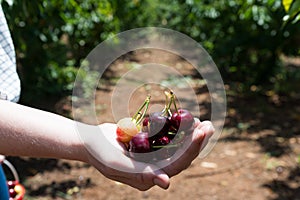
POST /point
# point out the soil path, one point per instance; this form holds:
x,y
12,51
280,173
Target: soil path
x,y
255,157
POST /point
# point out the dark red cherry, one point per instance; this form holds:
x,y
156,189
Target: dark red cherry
x,y
182,120
140,143
159,124
159,142
164,140
146,121
161,145
12,184
12,193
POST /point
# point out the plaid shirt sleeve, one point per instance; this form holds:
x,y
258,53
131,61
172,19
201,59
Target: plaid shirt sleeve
x,y
9,80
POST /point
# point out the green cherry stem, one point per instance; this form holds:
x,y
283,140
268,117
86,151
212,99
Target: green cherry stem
x,y
165,146
173,99
138,116
166,110
167,95
144,112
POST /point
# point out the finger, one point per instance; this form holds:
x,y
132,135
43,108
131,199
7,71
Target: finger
x,y
185,155
158,178
152,175
145,180
121,168
138,181
205,123
134,173
208,130
196,122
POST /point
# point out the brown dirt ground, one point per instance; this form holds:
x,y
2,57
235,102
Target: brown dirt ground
x,y
256,157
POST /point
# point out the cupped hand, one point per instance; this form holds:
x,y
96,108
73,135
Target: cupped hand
x,y
192,147
109,157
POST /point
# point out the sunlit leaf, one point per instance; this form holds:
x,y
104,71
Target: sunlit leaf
x,y
294,8
287,4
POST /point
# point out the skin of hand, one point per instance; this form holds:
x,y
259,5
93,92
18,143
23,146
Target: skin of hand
x,y
152,174
26,131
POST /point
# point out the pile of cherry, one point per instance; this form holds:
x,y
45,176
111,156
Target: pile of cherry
x,y
164,130
16,190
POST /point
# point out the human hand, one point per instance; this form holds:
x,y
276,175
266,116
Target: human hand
x,y
194,144
108,156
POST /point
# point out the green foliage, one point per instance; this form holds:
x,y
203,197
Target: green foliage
x,y
52,37
245,38
292,9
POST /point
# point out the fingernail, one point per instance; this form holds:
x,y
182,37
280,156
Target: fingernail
x,y
210,131
199,136
199,132
160,183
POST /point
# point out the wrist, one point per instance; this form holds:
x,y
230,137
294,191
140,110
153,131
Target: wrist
x,y
79,150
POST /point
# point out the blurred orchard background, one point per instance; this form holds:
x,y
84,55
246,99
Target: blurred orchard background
x,y
254,43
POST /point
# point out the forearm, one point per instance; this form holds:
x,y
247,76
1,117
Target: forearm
x,y
31,132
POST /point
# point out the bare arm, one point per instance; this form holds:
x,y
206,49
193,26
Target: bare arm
x,y
26,131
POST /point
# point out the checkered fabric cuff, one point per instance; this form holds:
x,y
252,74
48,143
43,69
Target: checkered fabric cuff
x,y
3,96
